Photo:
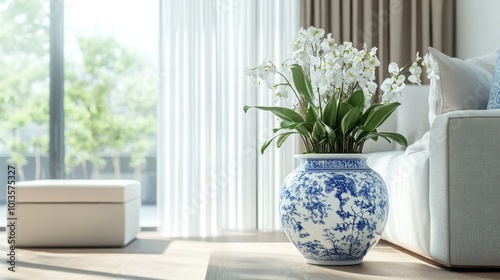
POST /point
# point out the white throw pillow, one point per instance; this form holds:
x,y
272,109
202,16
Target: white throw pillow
x,y
463,85
411,115
487,62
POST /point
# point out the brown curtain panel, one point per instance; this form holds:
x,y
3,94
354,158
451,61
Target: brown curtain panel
x,y
399,28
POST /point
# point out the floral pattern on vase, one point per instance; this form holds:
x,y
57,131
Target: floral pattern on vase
x,y
333,209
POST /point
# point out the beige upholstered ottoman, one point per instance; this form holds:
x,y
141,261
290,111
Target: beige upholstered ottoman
x,y
77,213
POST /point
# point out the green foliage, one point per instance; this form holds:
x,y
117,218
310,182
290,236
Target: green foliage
x,y
302,83
285,114
24,84
330,113
337,105
99,115
107,107
342,126
25,28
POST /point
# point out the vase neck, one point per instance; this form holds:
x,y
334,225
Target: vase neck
x,y
337,163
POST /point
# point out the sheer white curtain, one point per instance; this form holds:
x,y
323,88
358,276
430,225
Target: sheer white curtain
x,y
212,177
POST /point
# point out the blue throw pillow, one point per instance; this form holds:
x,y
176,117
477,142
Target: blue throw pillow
x,y
494,102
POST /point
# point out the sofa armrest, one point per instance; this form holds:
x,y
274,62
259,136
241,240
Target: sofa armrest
x,y
464,189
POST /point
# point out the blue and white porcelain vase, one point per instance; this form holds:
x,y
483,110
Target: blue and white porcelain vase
x,y
333,208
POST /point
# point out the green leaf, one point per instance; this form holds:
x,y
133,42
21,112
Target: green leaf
x,y
378,115
283,113
303,128
360,135
312,115
357,98
322,133
343,109
268,142
350,120
396,137
302,83
318,133
330,134
330,112
368,112
282,138
368,135
290,125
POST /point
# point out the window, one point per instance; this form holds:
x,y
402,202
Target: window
x,y
110,91
24,94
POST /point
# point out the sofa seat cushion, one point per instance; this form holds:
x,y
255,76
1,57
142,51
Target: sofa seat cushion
x,y
406,174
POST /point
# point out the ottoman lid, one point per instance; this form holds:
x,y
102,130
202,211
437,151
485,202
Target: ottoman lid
x,y
77,190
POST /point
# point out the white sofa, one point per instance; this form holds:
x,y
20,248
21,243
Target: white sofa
x,y
445,187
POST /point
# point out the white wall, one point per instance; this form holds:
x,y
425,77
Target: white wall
x,y
478,27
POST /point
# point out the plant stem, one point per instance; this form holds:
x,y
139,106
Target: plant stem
x,y
303,109
320,107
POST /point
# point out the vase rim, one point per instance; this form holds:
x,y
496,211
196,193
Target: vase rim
x,y
331,156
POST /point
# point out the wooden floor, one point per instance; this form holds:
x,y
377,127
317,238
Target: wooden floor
x,y
241,256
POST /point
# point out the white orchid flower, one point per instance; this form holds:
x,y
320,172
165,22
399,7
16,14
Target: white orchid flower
x,y
271,85
372,62
315,61
349,76
415,79
399,79
389,97
254,81
369,73
398,88
282,94
387,84
301,56
417,57
393,68
415,69
371,86
302,32
262,72
314,34
328,44
431,66
348,45
248,71
358,66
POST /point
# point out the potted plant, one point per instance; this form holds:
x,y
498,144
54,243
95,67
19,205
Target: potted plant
x,y
333,207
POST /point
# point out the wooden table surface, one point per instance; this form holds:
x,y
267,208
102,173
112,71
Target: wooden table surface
x,y
239,256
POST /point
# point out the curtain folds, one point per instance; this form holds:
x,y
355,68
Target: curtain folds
x,y
212,177
399,28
